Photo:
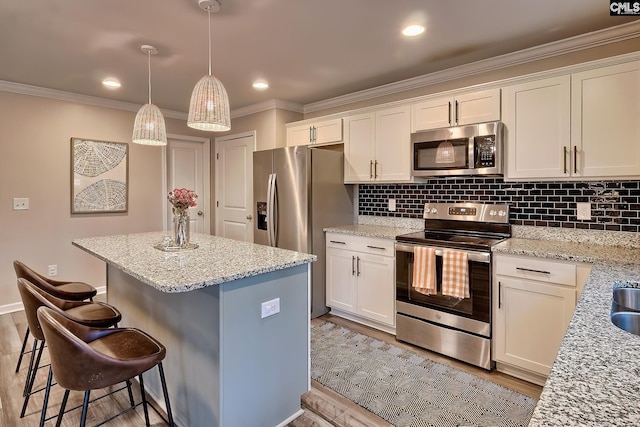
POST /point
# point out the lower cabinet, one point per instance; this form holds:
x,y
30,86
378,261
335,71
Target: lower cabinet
x,y
360,279
534,300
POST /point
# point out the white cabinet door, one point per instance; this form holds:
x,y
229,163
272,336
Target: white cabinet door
x,y
359,143
341,284
431,114
537,128
477,107
298,135
393,145
531,321
376,289
314,132
327,131
605,121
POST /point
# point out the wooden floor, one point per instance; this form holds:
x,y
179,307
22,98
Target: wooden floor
x,y
322,406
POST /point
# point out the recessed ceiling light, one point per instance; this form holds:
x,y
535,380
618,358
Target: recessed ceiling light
x,y
111,83
413,30
260,85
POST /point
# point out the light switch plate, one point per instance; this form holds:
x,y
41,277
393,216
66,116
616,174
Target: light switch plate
x,y
392,205
20,203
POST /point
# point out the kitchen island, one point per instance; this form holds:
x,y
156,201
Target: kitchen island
x,y
595,378
227,363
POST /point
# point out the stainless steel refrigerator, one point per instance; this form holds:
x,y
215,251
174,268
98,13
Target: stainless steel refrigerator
x,y
298,191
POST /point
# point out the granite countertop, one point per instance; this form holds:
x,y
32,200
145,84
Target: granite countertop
x,y
595,379
369,230
217,260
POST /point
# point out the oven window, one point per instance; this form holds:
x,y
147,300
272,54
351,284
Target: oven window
x,y
449,154
477,306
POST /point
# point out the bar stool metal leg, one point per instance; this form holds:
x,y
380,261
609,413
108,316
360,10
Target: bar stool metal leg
x,y
63,405
85,404
43,414
144,401
22,353
165,392
31,381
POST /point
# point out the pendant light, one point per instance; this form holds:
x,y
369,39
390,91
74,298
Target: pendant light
x,y
149,128
209,106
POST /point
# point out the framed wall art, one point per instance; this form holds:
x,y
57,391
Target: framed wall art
x,y
99,176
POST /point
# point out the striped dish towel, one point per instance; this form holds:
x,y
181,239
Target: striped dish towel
x,y
455,274
424,270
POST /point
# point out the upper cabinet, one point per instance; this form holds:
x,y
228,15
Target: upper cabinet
x,y
474,107
537,123
377,146
605,121
314,132
579,125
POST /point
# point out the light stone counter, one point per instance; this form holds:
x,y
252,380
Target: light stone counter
x,y
217,260
367,230
595,379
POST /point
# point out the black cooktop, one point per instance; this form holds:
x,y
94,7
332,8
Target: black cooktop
x,y
451,239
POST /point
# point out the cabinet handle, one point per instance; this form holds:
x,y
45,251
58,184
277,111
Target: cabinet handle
x,y
499,295
457,118
533,271
575,159
358,266
565,159
370,169
375,169
335,241
310,134
377,247
353,265
450,113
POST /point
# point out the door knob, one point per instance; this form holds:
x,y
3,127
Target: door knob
x,y
249,217
200,213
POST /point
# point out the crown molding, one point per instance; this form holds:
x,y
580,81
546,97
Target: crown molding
x,y
265,106
537,53
60,95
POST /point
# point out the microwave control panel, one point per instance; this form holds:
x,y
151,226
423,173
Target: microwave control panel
x,y
485,151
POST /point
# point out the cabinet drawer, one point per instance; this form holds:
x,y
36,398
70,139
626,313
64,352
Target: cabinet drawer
x,y
541,270
371,245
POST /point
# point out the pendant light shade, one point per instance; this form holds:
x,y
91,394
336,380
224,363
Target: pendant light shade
x,y
149,127
209,106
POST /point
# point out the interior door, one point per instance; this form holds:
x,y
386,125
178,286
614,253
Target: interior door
x,y
234,187
188,167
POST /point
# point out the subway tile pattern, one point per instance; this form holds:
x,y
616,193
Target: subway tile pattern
x,y
615,205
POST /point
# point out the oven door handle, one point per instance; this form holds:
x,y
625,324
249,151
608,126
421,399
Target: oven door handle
x,y
484,257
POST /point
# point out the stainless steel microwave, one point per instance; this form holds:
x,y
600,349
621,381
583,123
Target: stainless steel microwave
x,y
461,150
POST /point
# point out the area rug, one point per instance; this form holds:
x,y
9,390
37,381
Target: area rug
x,y
406,389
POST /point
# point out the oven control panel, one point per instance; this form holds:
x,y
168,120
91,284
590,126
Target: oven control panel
x,y
479,212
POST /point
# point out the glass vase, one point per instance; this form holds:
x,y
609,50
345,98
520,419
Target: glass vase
x,y
181,228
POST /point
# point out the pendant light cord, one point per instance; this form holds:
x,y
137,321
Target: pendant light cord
x,y
209,12
149,55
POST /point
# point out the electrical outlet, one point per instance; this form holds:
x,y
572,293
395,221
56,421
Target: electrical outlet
x,y
52,270
269,308
20,203
392,205
583,210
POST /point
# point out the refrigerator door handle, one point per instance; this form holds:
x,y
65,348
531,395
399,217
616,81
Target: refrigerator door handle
x,y
274,211
269,219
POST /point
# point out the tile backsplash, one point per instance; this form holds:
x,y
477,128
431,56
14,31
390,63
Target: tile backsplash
x,y
615,205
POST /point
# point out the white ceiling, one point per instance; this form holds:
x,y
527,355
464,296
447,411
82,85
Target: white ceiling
x,y
308,50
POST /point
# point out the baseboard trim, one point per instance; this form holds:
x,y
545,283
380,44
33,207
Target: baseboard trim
x,y
291,418
17,306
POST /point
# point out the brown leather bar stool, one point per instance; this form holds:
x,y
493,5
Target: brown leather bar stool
x,y
102,357
74,291
88,313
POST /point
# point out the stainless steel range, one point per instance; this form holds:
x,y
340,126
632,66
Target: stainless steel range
x,y
456,327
